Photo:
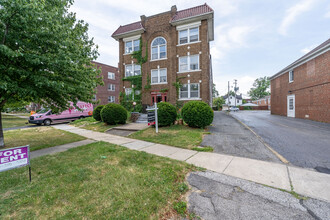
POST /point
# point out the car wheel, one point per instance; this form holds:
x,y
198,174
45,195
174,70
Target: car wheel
x,y
47,122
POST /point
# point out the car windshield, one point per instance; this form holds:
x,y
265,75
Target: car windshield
x,y
43,111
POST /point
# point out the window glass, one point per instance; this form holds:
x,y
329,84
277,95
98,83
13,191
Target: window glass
x,y
162,52
184,91
162,76
128,47
137,70
183,35
128,91
183,64
128,70
193,32
136,45
154,76
137,92
158,48
111,99
194,62
194,90
111,75
154,53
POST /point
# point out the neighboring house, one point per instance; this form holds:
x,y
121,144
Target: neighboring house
x,y
232,101
109,92
178,51
247,100
302,89
265,101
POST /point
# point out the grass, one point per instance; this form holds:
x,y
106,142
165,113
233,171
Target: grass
x,y
9,121
175,135
91,124
203,149
39,138
95,181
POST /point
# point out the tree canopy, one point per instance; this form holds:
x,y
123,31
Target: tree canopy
x,y
260,88
215,92
45,54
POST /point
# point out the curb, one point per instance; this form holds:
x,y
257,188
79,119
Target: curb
x,y
279,156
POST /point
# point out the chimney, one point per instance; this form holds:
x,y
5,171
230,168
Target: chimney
x,y
173,10
143,19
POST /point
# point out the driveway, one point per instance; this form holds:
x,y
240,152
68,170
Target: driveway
x,y
228,136
303,143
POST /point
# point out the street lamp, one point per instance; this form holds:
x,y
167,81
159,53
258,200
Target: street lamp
x,y
134,104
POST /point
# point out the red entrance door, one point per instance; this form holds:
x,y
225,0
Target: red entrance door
x,y
158,97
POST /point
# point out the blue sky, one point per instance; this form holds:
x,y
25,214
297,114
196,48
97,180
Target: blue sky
x,y
253,38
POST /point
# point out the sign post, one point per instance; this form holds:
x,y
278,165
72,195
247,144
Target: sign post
x,y
156,117
153,117
12,158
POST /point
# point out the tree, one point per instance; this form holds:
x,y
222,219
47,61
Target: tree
x,y
218,102
45,55
215,92
260,88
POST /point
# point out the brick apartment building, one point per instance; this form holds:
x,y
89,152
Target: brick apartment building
x,y
265,101
109,92
302,89
178,50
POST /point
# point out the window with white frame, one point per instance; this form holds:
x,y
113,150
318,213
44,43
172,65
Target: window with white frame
x,y
111,75
111,87
159,76
189,91
128,91
189,63
158,48
94,98
132,70
291,76
189,35
111,99
131,46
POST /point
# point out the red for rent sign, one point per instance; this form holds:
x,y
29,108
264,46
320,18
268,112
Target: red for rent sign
x,y
14,157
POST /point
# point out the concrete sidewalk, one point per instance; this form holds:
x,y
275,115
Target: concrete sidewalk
x,y
302,181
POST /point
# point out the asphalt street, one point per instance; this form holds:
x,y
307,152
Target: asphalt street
x,y
228,136
303,143
217,196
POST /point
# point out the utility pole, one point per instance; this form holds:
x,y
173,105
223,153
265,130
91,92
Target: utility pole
x,y
235,88
228,94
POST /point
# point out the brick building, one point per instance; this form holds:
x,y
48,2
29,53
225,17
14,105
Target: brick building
x,y
178,51
302,89
265,101
109,92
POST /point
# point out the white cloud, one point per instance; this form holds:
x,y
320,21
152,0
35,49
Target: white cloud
x,y
293,13
307,49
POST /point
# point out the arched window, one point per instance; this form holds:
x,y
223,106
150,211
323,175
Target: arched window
x,y
158,48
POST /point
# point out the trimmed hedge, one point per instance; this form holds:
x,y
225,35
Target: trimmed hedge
x,y
166,114
113,114
197,114
97,113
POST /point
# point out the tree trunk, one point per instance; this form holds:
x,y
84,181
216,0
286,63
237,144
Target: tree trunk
x,y
2,140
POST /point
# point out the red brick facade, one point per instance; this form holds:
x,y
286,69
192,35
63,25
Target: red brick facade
x,y
263,102
160,25
310,87
103,92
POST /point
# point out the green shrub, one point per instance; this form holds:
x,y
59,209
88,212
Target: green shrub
x,y
97,113
166,114
114,114
197,114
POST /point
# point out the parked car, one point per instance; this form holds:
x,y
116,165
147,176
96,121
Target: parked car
x,y
235,109
46,117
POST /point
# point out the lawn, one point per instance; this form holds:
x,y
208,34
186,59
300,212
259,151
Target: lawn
x,y
95,181
175,135
91,124
9,121
39,137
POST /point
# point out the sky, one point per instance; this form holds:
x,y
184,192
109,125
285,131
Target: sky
x,y
253,38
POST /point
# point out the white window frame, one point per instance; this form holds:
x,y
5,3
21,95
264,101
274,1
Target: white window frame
x,y
189,92
291,76
133,69
111,75
111,99
131,39
188,36
158,49
128,91
188,27
111,87
188,59
158,76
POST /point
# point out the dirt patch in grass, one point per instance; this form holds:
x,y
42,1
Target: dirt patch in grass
x,y
39,137
84,183
91,124
175,135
